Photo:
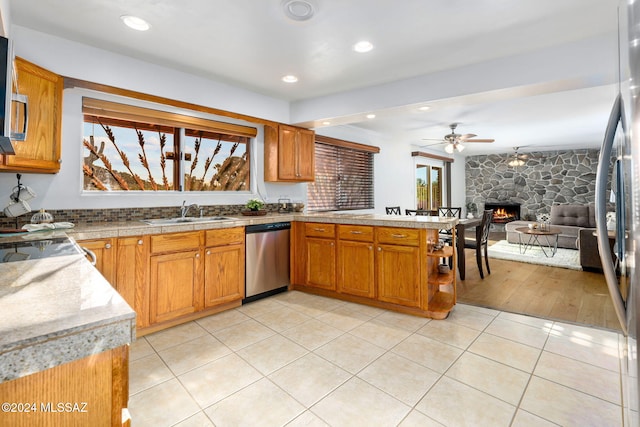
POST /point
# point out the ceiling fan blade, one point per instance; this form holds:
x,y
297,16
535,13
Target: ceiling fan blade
x,y
479,140
434,143
433,139
467,136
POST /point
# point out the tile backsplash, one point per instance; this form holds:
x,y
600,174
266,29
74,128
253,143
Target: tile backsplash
x,y
94,216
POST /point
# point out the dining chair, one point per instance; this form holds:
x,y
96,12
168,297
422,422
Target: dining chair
x,y
481,241
448,212
393,210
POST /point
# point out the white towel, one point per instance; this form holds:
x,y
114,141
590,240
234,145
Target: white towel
x,y
50,226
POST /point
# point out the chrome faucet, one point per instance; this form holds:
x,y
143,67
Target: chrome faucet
x,y
184,210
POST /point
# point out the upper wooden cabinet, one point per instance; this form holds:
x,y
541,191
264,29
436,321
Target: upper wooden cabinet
x,y
289,154
40,152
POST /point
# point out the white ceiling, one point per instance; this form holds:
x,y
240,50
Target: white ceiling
x,y
252,44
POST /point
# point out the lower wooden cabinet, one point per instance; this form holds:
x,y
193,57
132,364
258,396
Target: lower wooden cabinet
x,y
96,386
105,252
224,266
175,283
321,263
165,277
388,267
399,274
132,275
356,261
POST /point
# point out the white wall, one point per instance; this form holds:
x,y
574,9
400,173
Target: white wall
x,y
63,190
394,169
394,166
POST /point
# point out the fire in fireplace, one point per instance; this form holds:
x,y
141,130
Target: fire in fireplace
x,y
504,212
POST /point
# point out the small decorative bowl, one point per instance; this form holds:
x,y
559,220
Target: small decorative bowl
x,y
533,226
443,268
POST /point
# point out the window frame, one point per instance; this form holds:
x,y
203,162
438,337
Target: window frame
x,y
180,125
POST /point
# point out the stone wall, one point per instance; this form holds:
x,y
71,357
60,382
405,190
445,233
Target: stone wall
x,y
546,178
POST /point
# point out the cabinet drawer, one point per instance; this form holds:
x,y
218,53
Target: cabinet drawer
x,y
363,233
174,242
224,236
399,236
316,229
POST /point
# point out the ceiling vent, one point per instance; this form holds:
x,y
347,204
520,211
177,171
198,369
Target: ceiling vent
x,y
299,10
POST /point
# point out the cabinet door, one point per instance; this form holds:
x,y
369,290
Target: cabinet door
x,y
132,275
174,285
40,152
287,153
305,150
399,274
356,268
223,274
105,252
320,263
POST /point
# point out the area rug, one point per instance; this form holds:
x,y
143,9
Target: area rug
x,y
565,258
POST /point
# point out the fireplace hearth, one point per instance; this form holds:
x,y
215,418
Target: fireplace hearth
x,y
504,212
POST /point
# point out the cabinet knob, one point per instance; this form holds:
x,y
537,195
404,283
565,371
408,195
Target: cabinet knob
x,y
140,242
197,255
379,249
107,246
370,247
208,252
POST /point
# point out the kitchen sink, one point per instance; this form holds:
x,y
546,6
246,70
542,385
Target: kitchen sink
x,y
187,220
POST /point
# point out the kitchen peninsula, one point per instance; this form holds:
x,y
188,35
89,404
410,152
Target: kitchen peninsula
x,y
64,336
371,259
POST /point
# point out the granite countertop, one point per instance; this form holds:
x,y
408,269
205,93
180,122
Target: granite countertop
x,y
56,310
138,228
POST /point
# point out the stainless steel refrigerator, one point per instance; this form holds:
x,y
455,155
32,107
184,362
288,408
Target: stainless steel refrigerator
x,y
618,190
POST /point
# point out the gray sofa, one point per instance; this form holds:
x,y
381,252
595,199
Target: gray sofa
x,y
577,224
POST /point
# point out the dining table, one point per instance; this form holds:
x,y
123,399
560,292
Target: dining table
x,y
462,225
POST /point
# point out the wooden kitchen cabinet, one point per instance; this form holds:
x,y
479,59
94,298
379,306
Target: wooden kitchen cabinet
x,y
132,275
105,251
96,387
41,151
399,266
175,276
289,154
320,255
224,266
356,270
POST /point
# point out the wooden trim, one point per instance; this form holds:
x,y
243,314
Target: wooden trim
x,y
101,108
70,82
347,144
431,156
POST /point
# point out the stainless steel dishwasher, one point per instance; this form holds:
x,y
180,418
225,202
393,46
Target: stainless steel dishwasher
x,y
267,260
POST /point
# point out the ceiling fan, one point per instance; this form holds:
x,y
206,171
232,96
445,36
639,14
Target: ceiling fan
x,y
517,159
454,140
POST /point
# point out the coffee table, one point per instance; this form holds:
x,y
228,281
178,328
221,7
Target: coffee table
x,y
550,240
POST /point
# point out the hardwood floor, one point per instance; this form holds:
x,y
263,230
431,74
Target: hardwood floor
x,y
554,293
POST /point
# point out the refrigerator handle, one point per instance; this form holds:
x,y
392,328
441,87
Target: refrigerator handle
x,y
602,176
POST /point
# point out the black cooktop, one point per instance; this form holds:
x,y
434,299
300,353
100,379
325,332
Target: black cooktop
x,y
37,249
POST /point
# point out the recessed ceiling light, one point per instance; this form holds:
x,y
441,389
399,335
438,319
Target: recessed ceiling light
x,y
424,108
135,23
326,123
362,46
371,116
299,10
289,78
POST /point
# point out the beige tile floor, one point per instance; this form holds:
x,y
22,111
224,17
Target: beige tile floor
x,y
302,360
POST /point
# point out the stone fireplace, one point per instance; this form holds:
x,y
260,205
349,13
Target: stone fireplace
x,y
504,212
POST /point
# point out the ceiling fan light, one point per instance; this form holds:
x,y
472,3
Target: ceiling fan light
x,y
516,162
460,147
449,148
